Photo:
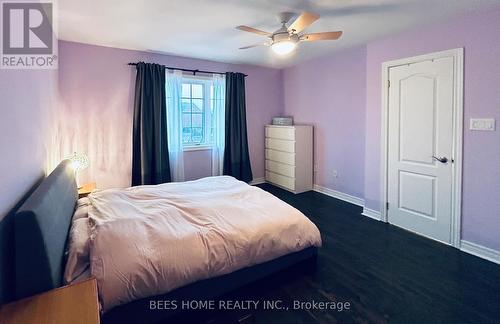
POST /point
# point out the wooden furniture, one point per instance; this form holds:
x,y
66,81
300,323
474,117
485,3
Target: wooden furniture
x,y
289,157
86,189
76,303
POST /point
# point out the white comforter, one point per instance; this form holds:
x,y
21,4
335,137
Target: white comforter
x,y
149,240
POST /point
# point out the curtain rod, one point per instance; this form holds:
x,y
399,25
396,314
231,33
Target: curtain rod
x,y
189,70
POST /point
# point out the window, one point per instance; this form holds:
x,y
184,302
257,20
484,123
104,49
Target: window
x,y
195,111
197,104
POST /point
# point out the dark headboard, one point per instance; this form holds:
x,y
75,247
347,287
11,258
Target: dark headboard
x,y
41,229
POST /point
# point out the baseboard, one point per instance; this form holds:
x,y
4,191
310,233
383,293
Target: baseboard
x,y
372,213
480,251
466,246
257,181
340,195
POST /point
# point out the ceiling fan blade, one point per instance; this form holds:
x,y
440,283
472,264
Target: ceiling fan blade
x,y
321,36
253,30
254,45
304,20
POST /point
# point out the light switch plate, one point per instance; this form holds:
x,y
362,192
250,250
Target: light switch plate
x,y
482,124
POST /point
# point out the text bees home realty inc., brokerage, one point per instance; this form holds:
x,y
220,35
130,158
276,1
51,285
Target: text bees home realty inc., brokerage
x,y
28,35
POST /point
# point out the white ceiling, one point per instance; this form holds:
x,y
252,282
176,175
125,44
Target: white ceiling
x,y
205,28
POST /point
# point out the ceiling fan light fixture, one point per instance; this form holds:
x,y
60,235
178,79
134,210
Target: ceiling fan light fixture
x,y
283,47
284,40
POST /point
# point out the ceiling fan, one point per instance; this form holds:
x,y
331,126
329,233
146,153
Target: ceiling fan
x,y
285,39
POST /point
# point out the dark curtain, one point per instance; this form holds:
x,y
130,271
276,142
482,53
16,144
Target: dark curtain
x,y
150,149
236,157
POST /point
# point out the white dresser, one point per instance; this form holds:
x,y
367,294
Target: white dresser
x,y
289,157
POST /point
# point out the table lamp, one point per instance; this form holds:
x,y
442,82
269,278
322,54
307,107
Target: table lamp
x,y
79,162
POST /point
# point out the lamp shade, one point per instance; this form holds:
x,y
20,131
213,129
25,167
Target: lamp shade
x,y
283,47
79,161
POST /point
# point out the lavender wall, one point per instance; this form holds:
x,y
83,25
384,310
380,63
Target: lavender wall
x,y
479,34
28,129
97,89
330,94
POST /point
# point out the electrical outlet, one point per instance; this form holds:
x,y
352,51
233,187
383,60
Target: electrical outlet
x,y
335,173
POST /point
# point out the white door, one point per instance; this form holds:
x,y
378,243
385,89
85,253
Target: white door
x,y
420,147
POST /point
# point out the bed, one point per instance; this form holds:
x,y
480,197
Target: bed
x,y
233,246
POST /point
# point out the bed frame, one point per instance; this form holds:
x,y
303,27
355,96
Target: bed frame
x,y
41,229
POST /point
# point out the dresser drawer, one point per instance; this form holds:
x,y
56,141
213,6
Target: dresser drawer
x,y
280,168
280,180
278,156
280,145
286,133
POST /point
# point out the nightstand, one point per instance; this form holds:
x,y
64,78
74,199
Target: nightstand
x,y
86,189
76,303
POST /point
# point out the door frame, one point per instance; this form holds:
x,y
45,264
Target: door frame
x,y
458,72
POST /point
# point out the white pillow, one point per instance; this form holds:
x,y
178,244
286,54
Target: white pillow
x,y
78,257
82,208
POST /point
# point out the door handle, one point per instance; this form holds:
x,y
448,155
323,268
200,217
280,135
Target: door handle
x,y
442,159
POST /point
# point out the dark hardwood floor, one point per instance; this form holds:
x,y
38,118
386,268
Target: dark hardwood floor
x,y
387,275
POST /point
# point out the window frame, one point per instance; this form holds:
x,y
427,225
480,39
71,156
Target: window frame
x,y
206,81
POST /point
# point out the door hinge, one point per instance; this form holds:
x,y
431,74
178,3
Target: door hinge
x,y
388,83
387,205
